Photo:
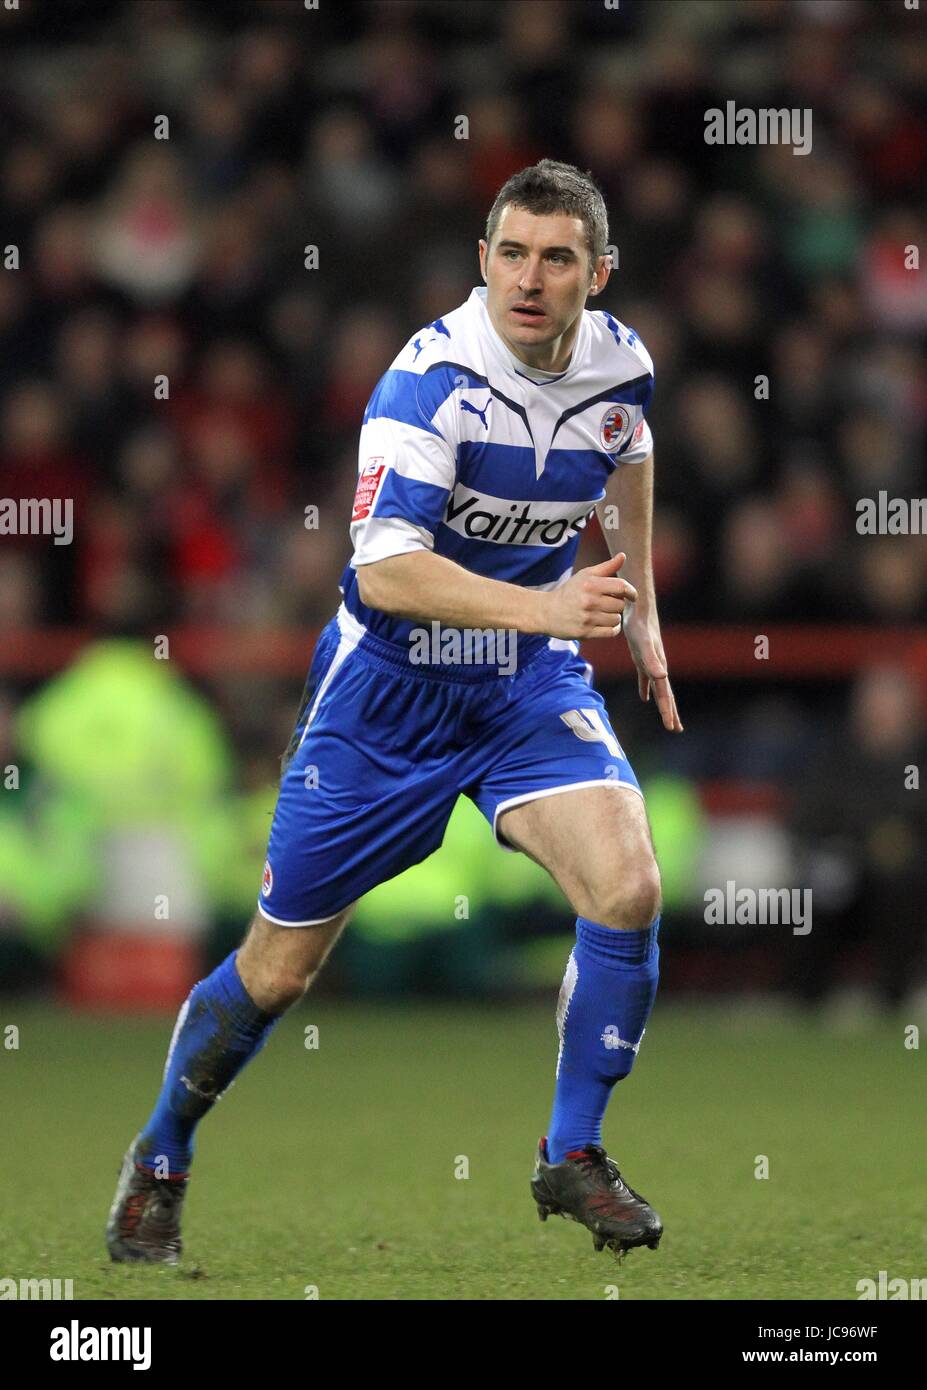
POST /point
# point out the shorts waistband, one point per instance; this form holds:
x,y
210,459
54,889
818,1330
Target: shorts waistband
x,y
387,655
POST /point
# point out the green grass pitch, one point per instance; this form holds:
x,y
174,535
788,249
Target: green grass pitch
x,y
334,1167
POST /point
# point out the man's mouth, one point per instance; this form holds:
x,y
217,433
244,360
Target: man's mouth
x,y
528,313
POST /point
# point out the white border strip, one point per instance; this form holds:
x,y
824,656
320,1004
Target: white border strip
x,y
351,633
564,1000
313,922
552,791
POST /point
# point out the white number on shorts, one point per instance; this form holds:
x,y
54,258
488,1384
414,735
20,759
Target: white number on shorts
x,y
589,725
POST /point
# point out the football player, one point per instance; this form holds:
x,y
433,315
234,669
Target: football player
x,y
451,668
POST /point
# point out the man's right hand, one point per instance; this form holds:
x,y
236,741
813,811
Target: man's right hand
x,y
591,602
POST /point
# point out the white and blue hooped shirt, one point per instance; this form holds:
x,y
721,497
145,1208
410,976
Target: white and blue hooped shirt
x,y
466,451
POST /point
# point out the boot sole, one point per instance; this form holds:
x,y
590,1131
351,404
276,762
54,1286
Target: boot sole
x,y
614,1243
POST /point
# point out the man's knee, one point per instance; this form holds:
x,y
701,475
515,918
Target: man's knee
x,y
274,980
627,901
280,985
278,964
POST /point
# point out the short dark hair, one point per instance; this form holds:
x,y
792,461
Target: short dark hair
x,y
550,186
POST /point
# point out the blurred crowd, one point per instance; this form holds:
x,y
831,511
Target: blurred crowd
x,y
191,326
183,260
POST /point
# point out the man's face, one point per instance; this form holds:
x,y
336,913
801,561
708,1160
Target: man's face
x,y
538,275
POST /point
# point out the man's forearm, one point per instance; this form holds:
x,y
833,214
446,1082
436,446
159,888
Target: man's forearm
x,y
425,587
631,489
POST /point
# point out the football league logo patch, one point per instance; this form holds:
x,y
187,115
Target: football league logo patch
x,y
614,427
368,485
267,882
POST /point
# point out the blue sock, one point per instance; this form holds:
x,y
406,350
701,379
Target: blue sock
x,y
219,1028
605,1001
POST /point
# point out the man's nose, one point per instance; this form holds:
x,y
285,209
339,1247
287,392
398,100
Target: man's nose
x,y
531,275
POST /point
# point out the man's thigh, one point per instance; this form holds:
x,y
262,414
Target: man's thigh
x,y
596,843
556,784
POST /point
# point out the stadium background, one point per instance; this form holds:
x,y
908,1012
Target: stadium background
x,y
137,791
185,256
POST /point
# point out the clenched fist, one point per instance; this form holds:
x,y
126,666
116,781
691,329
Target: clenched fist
x,y
591,602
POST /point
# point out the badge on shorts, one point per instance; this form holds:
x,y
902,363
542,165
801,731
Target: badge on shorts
x,y
267,882
368,485
614,427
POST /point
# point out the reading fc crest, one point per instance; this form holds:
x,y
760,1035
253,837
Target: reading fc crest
x,y
614,427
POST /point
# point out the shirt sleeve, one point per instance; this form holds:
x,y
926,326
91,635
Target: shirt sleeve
x,y
639,443
406,472
640,446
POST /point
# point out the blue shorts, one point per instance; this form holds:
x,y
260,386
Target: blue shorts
x,y
382,749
